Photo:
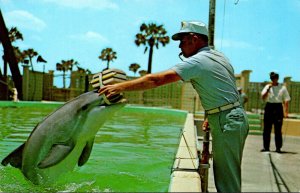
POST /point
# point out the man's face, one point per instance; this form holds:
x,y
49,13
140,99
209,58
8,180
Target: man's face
x,y
274,79
187,45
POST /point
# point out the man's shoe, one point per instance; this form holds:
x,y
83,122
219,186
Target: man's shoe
x,y
264,150
278,151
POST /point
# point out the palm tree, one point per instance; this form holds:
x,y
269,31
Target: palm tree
x,y
81,70
151,35
134,67
20,56
142,72
65,66
14,34
108,55
30,53
72,63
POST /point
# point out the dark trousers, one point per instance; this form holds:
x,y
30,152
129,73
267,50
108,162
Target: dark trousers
x,y
273,116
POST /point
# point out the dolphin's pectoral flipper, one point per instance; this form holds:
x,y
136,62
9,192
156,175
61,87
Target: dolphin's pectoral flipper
x,y
14,158
86,152
57,153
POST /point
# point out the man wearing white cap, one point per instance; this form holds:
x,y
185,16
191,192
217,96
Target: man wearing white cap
x,y
213,78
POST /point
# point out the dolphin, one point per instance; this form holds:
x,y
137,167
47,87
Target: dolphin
x,y
62,139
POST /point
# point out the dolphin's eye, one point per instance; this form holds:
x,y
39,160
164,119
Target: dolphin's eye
x,y
84,107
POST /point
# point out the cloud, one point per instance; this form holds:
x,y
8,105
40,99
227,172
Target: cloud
x,y
90,36
80,4
24,19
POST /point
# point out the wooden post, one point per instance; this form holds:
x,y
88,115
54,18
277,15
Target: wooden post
x,y
204,162
205,155
211,23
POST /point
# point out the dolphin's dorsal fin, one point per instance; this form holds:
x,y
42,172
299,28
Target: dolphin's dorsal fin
x,y
86,152
57,153
14,158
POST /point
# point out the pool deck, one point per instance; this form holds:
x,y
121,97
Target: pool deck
x,y
269,171
261,171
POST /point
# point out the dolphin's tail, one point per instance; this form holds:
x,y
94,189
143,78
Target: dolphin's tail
x,y
14,158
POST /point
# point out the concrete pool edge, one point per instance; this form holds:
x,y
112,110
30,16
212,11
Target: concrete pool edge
x,y
30,103
185,176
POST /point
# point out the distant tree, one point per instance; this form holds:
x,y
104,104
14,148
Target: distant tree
x,y
72,63
64,66
151,35
20,56
30,54
14,34
143,72
108,55
134,67
81,70
88,71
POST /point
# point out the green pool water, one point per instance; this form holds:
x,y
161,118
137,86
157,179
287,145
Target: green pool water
x,y
133,151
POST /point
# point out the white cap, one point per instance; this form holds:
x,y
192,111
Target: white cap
x,y
191,27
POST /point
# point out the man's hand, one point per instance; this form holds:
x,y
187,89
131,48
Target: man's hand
x,y
286,115
270,86
205,125
110,90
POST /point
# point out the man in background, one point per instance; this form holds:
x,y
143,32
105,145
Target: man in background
x,y
277,98
243,97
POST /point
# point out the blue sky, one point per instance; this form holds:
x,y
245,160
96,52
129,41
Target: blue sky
x,y
257,35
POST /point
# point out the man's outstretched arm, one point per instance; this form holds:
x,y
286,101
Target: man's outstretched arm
x,y
148,81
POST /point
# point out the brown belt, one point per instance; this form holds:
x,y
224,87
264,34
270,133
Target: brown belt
x,y
222,108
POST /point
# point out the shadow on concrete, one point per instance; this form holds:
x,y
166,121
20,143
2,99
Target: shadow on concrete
x,y
285,152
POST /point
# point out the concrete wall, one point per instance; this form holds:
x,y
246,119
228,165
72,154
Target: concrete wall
x,y
185,176
291,127
179,95
32,85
